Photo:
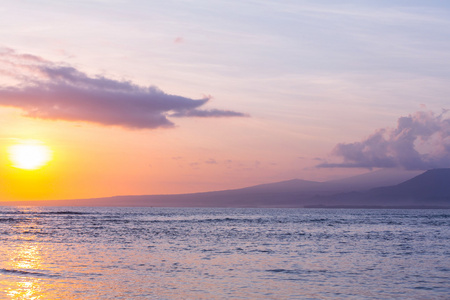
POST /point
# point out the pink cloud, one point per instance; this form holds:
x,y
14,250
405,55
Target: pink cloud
x,y
420,141
58,92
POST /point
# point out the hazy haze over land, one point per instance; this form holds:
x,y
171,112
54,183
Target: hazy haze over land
x,y
405,190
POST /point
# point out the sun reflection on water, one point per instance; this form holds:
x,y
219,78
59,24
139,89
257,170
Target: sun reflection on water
x,y
26,289
23,262
27,258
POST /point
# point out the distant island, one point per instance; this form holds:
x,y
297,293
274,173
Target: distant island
x,y
379,189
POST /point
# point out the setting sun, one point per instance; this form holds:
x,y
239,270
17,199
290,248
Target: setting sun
x,y
29,155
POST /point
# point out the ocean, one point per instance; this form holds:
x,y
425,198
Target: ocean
x,y
223,253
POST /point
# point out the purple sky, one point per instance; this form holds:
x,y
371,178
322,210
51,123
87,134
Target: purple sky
x,y
165,97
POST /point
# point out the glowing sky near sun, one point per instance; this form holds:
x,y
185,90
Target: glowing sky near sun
x,y
29,155
144,97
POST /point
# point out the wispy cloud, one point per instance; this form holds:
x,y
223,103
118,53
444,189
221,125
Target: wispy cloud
x,y
211,161
208,113
420,141
48,90
178,40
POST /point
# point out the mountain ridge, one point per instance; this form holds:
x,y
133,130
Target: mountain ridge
x,y
428,189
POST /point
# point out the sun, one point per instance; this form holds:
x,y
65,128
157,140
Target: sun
x,y
29,155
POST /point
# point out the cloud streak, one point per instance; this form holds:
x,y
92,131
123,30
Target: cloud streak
x,y
420,141
51,91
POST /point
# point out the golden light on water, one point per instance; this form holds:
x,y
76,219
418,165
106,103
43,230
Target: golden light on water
x,y
26,259
29,155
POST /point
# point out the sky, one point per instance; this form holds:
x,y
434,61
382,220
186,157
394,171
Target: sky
x,y
161,97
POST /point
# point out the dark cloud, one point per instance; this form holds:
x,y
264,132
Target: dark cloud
x,y
52,91
421,141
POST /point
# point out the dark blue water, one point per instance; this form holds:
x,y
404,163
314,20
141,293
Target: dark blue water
x,y
169,253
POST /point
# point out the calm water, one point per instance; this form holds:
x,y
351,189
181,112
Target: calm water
x,y
166,253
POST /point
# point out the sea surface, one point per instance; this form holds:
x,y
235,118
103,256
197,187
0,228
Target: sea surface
x,y
226,253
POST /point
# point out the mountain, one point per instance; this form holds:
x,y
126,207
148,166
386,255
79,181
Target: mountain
x,y
430,189
366,181
290,193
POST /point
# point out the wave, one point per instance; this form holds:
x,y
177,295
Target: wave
x,y
27,273
295,271
62,212
7,220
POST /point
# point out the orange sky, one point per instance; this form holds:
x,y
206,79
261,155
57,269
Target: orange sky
x,y
93,161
